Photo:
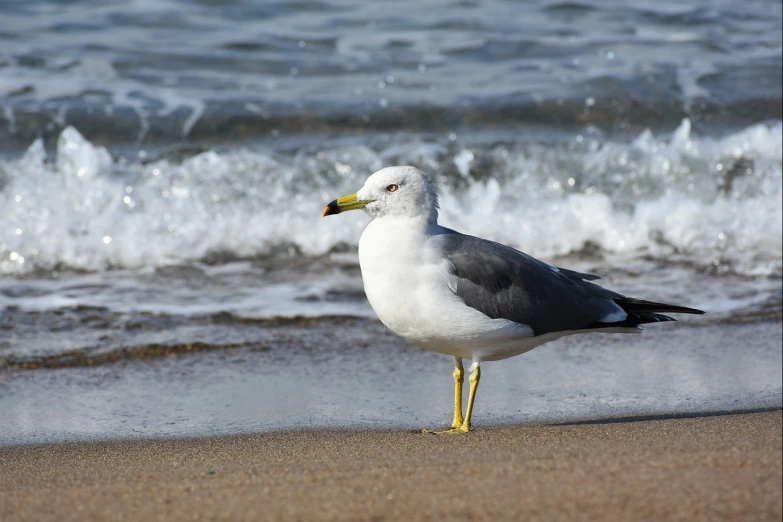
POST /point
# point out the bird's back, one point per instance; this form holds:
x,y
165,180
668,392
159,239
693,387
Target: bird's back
x,y
502,282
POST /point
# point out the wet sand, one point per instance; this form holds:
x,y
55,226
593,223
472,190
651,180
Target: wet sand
x,y
699,468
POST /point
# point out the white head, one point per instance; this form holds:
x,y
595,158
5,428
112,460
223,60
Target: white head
x,y
393,191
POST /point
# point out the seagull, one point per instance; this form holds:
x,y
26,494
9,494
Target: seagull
x,y
468,297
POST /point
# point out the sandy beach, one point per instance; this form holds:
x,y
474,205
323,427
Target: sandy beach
x,y
725,467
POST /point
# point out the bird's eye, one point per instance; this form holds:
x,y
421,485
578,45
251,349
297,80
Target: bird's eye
x,y
392,188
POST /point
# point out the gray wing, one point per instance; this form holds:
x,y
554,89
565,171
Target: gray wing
x,y
504,283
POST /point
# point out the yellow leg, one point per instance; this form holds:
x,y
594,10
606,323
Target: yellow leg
x,y
461,425
459,378
475,377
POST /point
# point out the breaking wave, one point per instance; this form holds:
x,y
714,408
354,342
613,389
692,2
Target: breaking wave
x,y
714,203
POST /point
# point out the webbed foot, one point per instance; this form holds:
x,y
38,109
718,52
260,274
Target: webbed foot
x,y
453,429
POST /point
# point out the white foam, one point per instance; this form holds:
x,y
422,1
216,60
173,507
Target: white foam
x,y
652,197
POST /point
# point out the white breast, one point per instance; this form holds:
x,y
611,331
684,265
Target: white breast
x,y
407,285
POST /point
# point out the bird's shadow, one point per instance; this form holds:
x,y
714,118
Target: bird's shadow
x,y
664,416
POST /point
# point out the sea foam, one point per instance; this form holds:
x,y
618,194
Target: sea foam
x,y
707,202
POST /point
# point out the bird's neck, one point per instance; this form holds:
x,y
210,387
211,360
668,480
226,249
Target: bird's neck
x,y
393,237
406,226
418,215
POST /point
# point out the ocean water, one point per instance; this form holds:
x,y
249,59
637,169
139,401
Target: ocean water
x,y
164,164
156,72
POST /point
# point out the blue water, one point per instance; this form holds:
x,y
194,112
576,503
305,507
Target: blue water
x,y
160,71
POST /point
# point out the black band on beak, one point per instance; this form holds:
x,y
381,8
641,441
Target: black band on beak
x,y
331,209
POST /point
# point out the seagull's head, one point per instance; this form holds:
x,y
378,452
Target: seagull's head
x,y
393,191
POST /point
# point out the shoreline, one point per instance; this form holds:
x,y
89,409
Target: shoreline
x,y
694,468
384,428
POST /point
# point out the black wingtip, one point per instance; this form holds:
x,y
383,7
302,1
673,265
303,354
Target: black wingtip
x,y
635,320
638,305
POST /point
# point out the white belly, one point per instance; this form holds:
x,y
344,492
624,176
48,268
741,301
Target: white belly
x,y
408,287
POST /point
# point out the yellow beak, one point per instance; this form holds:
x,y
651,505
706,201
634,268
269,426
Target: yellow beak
x,y
344,204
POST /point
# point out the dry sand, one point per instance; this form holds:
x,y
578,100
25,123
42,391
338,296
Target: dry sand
x,y
704,468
